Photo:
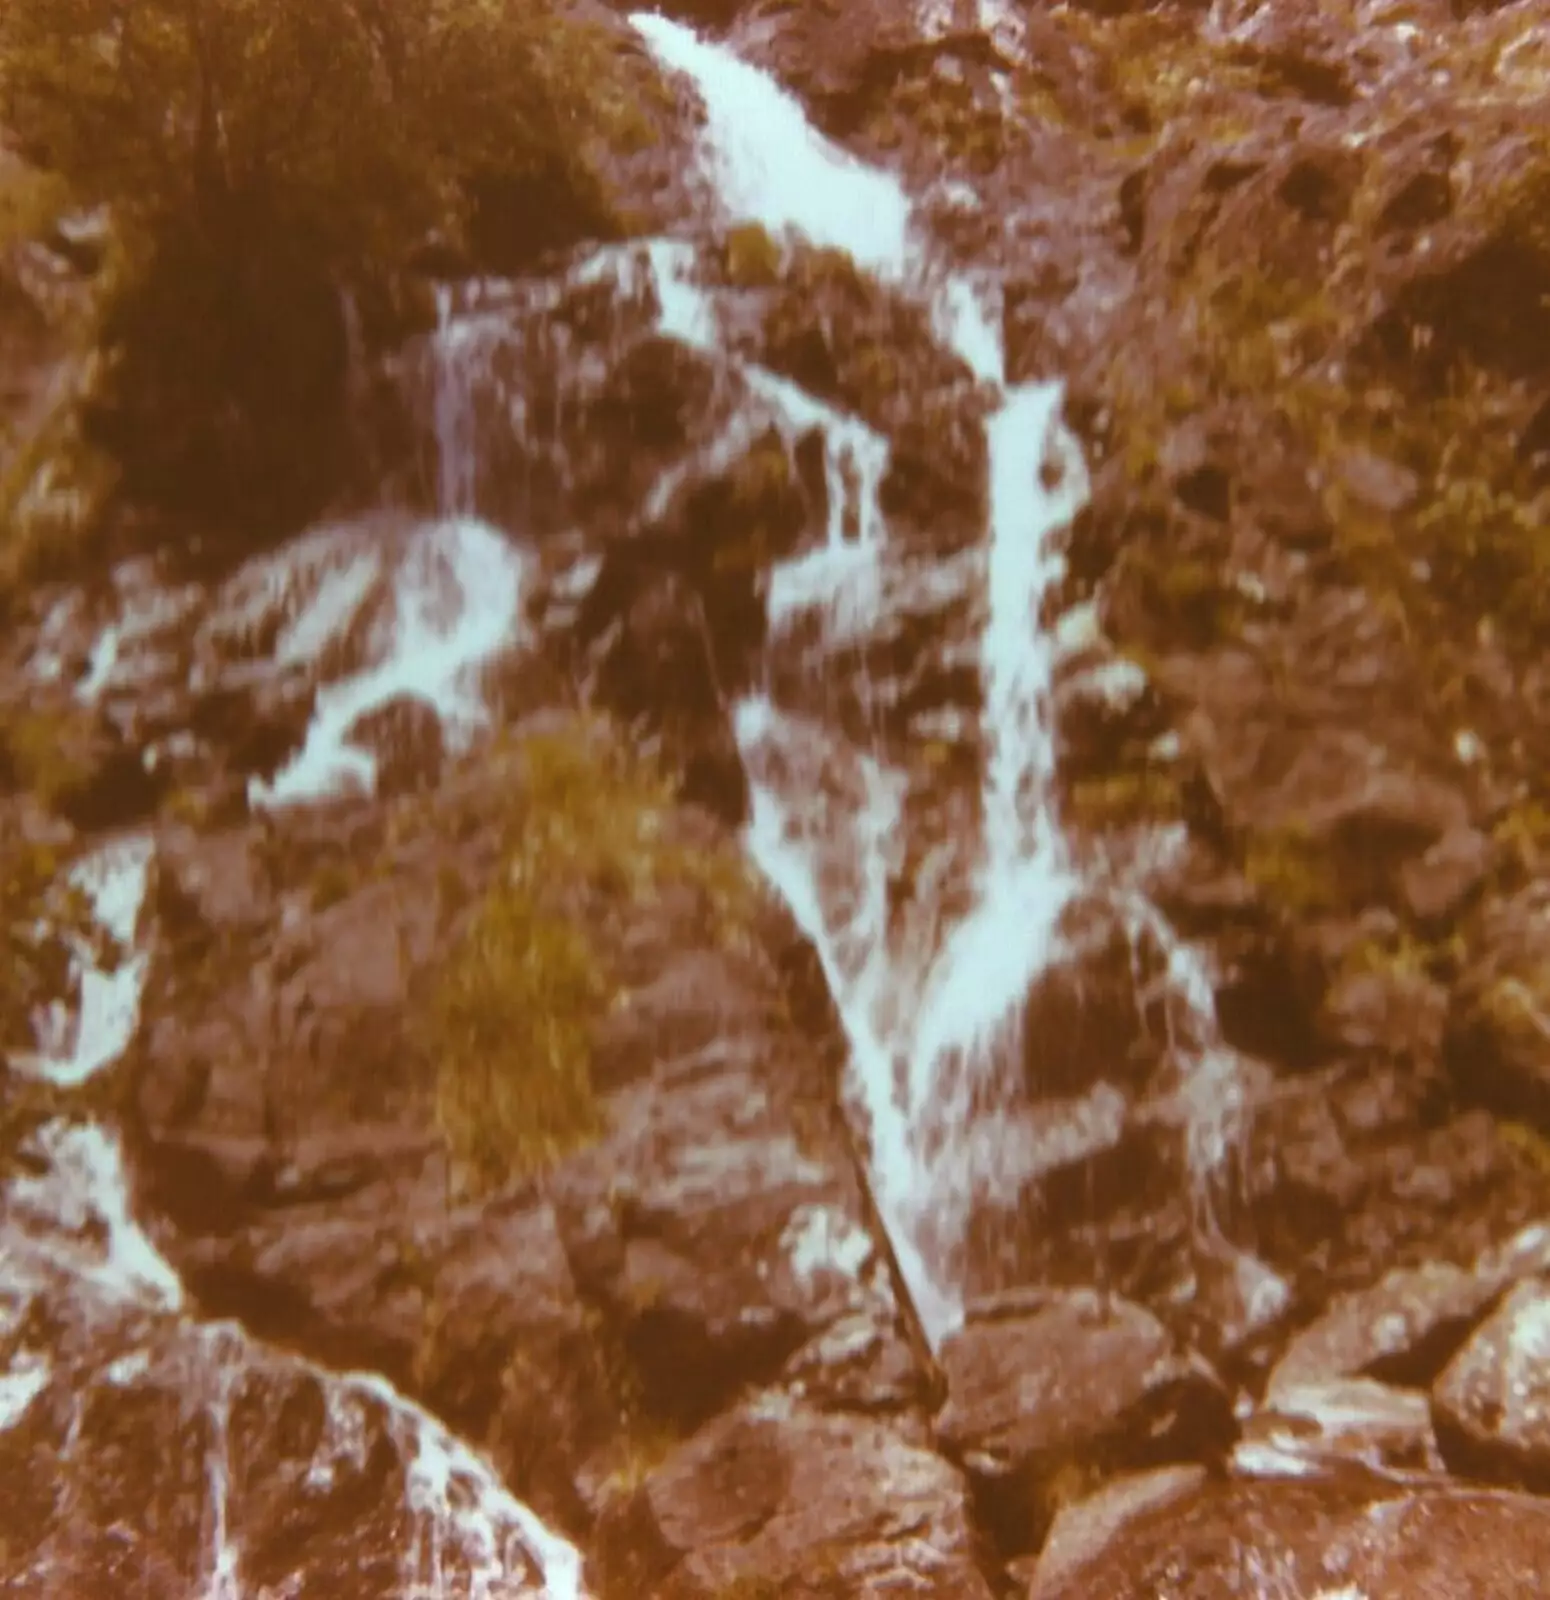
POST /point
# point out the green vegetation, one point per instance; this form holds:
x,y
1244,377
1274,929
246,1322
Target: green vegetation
x,y
591,841
753,259
946,113
354,127
1127,798
258,157
53,490
1529,1145
1524,838
33,964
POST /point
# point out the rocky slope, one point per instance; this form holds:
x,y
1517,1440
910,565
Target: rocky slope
x,y
1293,262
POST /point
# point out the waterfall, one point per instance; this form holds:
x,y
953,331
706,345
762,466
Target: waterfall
x,y
934,1024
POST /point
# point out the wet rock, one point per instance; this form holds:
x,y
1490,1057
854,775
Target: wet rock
x,y
1077,1176
1404,1329
1269,980
1491,1404
859,1363
1085,1019
1312,1427
1336,1537
674,622
305,1465
208,881
1388,1011
773,1493
659,639
1106,707
510,1352
1437,886
1081,1530
405,738
124,1428
1069,1379
1498,1041
719,1247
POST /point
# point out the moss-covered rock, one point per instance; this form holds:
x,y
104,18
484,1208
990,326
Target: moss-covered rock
x,y
1499,1024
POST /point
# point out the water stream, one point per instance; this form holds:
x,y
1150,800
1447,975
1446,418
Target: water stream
x,y
931,993
934,1023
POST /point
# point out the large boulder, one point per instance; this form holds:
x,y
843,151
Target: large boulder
x,y
774,1497
1360,1536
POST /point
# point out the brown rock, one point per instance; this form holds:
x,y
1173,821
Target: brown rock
x,y
1436,886
1325,1538
1403,1329
1385,1012
1492,1404
1320,1426
776,1494
1045,1383
1081,1531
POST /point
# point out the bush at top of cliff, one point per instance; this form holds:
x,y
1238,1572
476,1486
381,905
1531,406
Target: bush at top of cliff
x,y
357,126
258,155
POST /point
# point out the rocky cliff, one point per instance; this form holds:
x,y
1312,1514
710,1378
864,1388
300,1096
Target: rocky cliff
x,y
558,862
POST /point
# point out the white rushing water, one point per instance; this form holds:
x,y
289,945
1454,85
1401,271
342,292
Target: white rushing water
x,y
933,1013
925,1042
70,1234
453,606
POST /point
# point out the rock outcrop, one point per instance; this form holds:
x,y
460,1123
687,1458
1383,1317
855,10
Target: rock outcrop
x,y
1257,1300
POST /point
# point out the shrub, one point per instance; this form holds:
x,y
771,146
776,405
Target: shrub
x,y
511,1021
592,840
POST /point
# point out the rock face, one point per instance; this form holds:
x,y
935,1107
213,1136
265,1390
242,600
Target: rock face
x,y
1226,1543
1256,1292
785,1500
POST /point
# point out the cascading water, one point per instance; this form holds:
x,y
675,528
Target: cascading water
x,y
72,1254
933,1009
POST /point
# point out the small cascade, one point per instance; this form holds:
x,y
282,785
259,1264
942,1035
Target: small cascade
x,y
452,606
456,423
114,883
72,1258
